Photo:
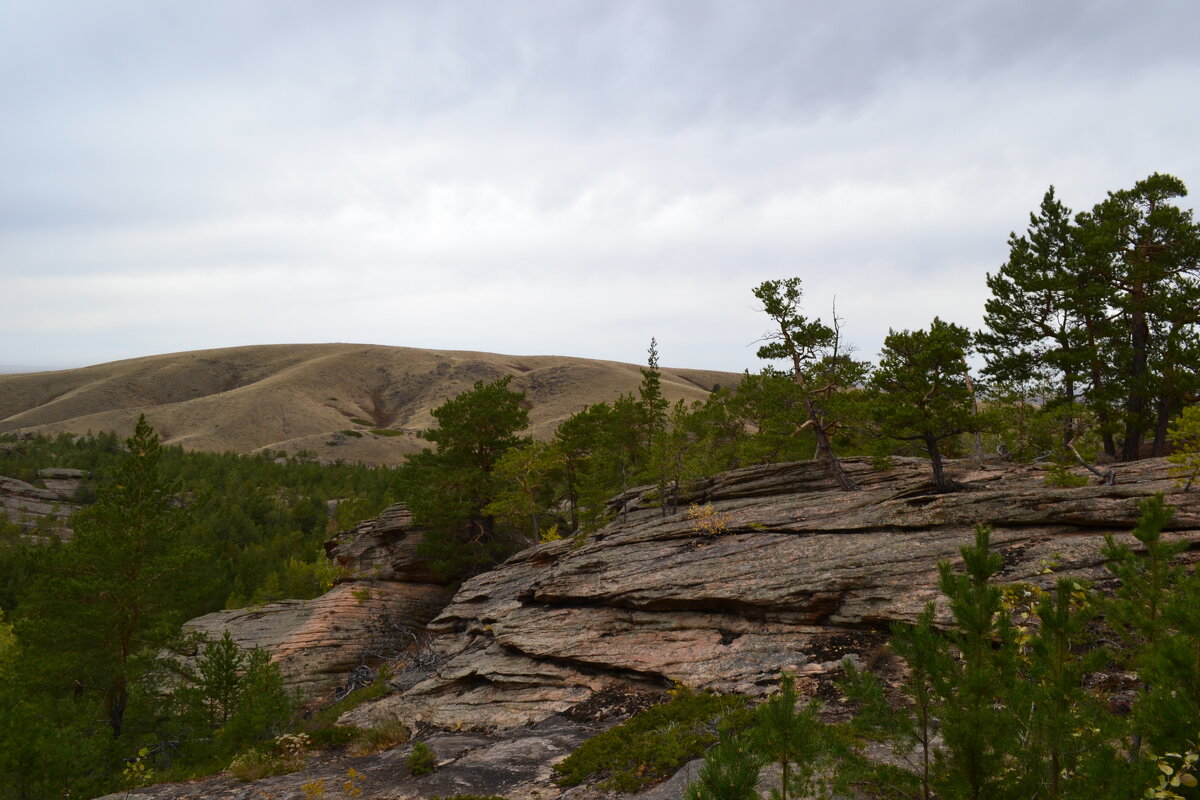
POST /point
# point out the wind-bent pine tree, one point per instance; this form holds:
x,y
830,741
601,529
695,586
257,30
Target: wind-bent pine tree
x,y
805,343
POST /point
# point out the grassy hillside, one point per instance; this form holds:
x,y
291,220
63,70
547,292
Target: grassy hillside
x,y
308,396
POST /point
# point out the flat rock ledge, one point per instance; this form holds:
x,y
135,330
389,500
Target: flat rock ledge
x,y
799,576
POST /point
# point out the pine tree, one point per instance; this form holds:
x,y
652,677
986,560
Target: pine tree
x,y
529,478
1153,615
449,487
1037,330
110,597
788,737
927,655
730,772
1145,253
975,722
922,394
806,344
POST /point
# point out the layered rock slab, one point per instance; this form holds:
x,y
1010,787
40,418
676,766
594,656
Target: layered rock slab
x,y
799,576
41,510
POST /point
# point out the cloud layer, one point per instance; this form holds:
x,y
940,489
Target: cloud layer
x,y
568,178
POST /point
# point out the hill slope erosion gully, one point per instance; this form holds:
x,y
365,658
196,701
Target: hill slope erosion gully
x,y
782,573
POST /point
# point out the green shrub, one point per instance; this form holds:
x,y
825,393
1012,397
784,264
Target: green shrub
x,y
422,760
652,745
386,432
287,753
1185,438
352,432
380,737
360,421
1059,476
333,736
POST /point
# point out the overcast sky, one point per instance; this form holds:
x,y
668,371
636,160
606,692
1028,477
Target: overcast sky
x,y
551,177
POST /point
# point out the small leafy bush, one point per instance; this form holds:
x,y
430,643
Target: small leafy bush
x,y
707,521
333,736
352,432
386,432
285,754
652,745
422,760
360,421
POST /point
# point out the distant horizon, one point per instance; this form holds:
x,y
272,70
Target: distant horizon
x,y
23,369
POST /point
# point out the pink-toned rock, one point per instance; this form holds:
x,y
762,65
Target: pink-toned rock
x,y
375,614
317,642
799,576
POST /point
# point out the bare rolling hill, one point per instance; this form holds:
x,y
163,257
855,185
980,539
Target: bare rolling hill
x,y
330,399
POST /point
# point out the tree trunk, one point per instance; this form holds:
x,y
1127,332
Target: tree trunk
x,y
117,700
825,450
1069,391
1135,406
935,457
573,500
1165,406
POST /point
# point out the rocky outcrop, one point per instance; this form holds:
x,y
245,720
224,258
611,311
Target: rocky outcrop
x,y
382,549
764,569
42,510
376,613
774,569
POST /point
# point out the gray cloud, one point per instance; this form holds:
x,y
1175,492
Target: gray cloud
x,y
551,177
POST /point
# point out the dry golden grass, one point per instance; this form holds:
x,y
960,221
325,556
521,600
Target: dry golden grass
x,y
300,397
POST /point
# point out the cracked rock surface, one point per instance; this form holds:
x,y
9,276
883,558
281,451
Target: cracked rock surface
x,y
799,576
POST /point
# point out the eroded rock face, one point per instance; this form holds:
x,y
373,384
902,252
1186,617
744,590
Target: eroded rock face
x,y
376,613
46,510
382,549
798,576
